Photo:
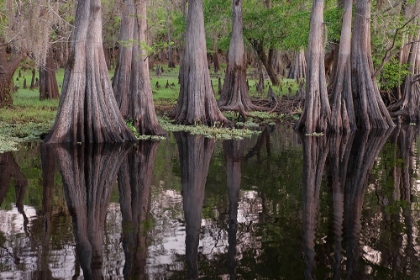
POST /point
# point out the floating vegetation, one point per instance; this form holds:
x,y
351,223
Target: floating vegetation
x,y
213,132
13,134
315,134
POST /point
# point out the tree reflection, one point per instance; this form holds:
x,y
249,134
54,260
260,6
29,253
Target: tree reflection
x,y
366,147
48,170
351,158
134,180
315,153
195,153
10,172
88,172
233,151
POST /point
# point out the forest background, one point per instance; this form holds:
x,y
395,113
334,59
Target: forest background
x,y
35,39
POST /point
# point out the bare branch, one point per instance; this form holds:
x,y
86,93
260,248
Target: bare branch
x,y
387,56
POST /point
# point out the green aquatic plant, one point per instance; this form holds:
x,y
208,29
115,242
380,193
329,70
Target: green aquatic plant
x,y
215,132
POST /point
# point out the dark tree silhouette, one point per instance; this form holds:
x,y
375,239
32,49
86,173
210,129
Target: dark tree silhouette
x,y
88,172
88,111
134,181
195,153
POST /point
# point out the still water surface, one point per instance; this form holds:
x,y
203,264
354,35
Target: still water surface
x,y
277,206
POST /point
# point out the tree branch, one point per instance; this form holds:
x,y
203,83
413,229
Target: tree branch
x,y
387,56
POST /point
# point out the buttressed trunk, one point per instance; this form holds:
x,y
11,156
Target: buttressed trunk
x,y
196,102
370,110
131,83
316,114
88,111
235,95
342,108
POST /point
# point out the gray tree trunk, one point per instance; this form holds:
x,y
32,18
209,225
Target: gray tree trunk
x,y
132,80
235,95
370,110
196,102
316,114
88,111
342,109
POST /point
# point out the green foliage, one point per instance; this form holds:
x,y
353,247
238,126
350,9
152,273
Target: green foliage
x,y
393,75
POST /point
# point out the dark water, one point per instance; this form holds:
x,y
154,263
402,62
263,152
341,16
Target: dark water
x,y
278,206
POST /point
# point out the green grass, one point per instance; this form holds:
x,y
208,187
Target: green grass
x,y
29,117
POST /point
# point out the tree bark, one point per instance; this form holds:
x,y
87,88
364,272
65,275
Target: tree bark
x,y
9,62
88,111
216,62
235,95
316,114
370,110
196,102
132,80
195,153
48,87
134,182
343,117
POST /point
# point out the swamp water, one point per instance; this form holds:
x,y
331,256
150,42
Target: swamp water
x,y
277,206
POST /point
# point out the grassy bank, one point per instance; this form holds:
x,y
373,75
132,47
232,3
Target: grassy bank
x,y
29,117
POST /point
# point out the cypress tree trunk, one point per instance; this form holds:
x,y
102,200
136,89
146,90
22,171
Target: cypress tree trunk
x,y
48,87
88,111
316,114
196,102
234,95
370,110
9,62
132,79
298,70
342,109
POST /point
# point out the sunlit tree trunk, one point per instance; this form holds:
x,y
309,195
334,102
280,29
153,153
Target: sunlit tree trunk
x,y
316,114
88,111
